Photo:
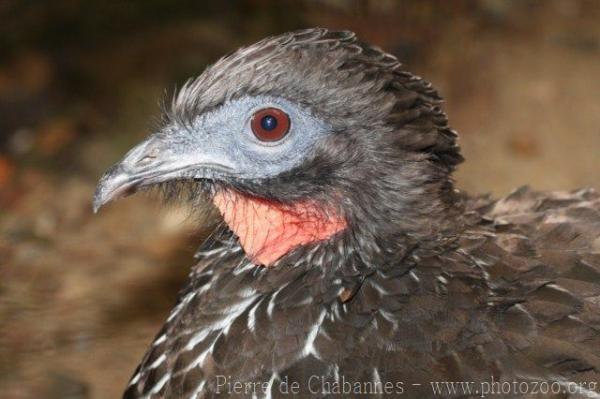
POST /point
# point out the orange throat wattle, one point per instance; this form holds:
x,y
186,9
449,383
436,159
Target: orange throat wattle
x,y
267,231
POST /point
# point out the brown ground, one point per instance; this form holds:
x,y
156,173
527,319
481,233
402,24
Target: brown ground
x,y
81,295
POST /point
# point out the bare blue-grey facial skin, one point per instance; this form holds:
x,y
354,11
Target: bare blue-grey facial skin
x,y
218,143
225,134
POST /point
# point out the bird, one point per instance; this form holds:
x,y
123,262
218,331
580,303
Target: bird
x,y
346,262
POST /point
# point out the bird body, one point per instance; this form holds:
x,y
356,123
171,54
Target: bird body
x,y
349,265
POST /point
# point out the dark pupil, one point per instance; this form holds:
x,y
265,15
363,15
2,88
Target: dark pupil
x,y
268,122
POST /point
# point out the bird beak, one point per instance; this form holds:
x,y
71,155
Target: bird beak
x,y
156,160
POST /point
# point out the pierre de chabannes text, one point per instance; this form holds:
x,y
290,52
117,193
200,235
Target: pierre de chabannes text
x,y
316,384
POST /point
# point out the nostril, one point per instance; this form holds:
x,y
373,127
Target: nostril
x,y
149,156
146,159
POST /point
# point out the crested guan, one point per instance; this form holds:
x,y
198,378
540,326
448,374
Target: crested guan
x,y
348,265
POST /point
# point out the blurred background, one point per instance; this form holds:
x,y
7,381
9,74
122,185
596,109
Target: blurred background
x,y
81,296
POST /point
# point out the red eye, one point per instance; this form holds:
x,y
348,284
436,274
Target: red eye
x,y
270,124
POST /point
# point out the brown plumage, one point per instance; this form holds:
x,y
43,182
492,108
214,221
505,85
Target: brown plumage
x,y
419,285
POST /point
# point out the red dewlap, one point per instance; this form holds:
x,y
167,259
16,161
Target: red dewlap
x,y
267,230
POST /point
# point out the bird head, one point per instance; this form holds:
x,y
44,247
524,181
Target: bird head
x,y
300,138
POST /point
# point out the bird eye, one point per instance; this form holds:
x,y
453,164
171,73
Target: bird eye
x,y
270,124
